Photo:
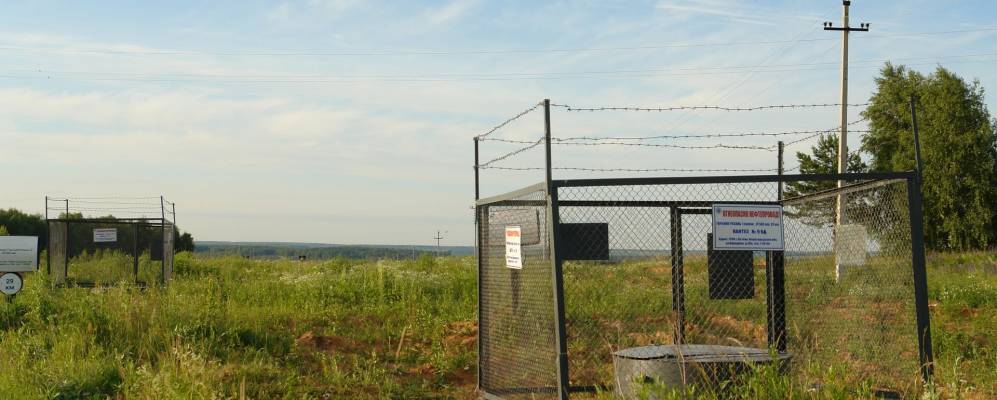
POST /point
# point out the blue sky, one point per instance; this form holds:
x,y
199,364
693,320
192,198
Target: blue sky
x,y
351,122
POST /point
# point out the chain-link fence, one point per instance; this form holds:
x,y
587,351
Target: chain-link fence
x,y
638,268
517,343
89,251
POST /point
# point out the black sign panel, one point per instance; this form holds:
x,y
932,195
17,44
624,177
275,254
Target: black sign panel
x,y
586,241
731,272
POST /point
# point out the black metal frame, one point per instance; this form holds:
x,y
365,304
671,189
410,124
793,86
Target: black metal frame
x,y
775,276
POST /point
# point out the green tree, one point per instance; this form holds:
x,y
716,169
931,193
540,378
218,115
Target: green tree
x,y
20,223
182,242
823,159
3,230
958,146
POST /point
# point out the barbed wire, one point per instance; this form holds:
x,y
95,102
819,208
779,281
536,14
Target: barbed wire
x,y
708,135
71,208
826,131
677,146
715,108
657,137
510,154
125,203
106,198
506,122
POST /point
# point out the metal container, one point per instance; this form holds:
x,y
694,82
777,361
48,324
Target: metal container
x,y
675,366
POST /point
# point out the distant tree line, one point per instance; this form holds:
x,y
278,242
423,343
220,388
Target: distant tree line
x,y
313,253
18,223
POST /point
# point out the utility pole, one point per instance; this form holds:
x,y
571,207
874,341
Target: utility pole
x,y
843,135
438,237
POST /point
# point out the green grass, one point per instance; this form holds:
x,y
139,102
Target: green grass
x,y
232,328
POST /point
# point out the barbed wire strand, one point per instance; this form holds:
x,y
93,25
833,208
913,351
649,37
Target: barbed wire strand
x,y
657,137
512,153
716,108
506,122
676,146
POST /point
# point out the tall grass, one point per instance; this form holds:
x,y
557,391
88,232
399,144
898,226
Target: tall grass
x,y
228,327
270,329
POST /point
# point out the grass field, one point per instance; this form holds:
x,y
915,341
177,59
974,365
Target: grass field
x,y
238,328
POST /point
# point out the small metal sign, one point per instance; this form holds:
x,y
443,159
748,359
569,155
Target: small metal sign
x,y
747,227
18,253
513,247
105,235
10,283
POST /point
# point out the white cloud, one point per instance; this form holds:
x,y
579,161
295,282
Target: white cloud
x,y
451,11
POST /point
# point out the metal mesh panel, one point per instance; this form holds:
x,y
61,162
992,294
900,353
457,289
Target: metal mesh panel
x,y
627,299
850,290
167,253
518,356
104,252
57,251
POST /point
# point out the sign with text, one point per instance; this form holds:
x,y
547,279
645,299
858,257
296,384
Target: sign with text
x,y
105,235
18,253
10,283
747,227
513,247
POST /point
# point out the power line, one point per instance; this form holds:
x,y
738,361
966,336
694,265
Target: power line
x,y
369,53
445,77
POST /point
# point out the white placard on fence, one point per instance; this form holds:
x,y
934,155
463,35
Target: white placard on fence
x,y
105,235
18,253
513,247
747,227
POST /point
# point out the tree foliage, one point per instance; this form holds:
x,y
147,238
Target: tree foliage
x,y
958,147
823,159
19,223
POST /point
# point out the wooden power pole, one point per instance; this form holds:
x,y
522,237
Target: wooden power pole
x,y
843,133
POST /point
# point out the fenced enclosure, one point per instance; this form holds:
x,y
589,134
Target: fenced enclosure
x,y
133,246
608,265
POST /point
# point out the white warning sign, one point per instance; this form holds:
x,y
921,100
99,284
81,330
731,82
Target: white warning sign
x,y
747,227
18,253
513,247
105,235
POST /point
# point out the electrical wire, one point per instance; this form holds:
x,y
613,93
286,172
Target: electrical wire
x,y
369,53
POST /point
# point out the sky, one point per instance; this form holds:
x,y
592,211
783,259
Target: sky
x,y
342,121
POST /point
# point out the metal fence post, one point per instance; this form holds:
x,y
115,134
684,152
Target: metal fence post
x,y
917,138
678,275
780,169
920,277
775,299
477,253
554,221
135,252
